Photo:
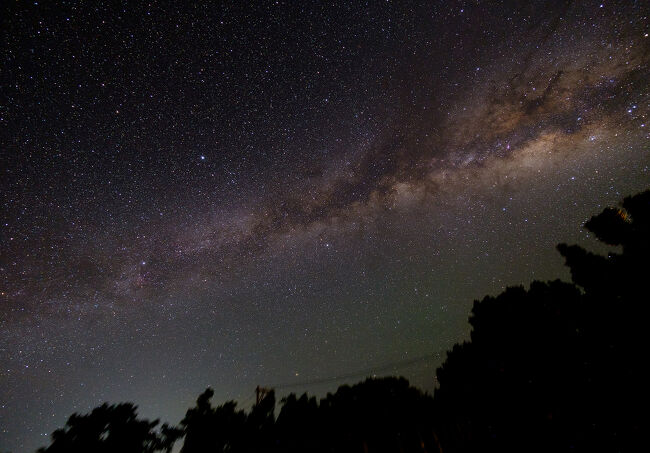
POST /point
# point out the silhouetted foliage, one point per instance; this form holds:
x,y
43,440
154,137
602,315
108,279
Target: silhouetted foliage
x,y
378,415
300,423
113,428
517,384
555,368
616,295
209,429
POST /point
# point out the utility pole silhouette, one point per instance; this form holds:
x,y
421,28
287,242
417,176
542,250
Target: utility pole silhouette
x,y
260,394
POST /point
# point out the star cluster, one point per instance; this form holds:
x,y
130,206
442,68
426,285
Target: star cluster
x,y
233,195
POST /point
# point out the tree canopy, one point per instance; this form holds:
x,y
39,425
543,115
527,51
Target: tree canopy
x,y
114,428
557,367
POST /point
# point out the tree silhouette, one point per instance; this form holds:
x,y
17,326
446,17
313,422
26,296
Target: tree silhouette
x,y
209,429
616,293
517,384
114,428
299,424
379,415
557,367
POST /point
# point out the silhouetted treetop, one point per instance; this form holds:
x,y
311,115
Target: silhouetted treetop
x,y
616,275
210,429
114,428
628,226
553,368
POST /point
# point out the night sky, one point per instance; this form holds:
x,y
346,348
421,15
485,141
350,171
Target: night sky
x,y
226,195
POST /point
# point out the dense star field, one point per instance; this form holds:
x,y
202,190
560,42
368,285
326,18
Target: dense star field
x,y
287,192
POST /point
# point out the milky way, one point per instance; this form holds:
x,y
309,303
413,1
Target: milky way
x,y
233,196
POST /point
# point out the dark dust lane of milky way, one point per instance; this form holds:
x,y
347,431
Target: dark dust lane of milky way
x,y
233,195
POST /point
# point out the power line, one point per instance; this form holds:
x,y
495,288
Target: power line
x,y
366,372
